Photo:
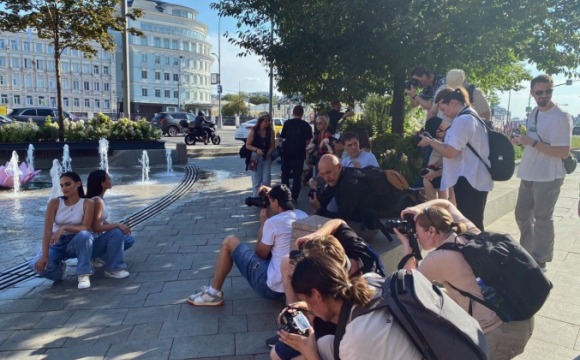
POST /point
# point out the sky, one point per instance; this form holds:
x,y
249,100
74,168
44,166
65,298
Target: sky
x,y
248,75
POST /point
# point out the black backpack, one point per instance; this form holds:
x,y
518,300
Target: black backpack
x,y
502,156
514,285
437,326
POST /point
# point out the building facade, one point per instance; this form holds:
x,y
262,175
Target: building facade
x,y
28,76
170,66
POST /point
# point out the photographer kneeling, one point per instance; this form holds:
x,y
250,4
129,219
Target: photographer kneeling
x,y
322,283
438,222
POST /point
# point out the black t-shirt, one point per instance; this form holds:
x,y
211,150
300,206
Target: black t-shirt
x,y
335,117
295,133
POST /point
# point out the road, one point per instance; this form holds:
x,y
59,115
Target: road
x,y
226,134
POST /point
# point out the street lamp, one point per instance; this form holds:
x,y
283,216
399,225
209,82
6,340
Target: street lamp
x,y
219,88
179,83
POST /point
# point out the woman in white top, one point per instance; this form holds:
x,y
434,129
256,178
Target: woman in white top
x,y
110,238
66,233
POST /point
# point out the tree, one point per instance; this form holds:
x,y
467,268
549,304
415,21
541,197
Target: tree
x,y
72,24
258,99
236,105
347,49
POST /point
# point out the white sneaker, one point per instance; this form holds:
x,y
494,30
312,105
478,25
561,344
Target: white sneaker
x,y
119,274
204,298
98,263
84,281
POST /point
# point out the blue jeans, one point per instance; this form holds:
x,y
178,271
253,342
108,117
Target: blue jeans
x,y
79,245
262,175
255,270
128,241
109,247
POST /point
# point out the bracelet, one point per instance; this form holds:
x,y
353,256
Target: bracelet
x,y
535,143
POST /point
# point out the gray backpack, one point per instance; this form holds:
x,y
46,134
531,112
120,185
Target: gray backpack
x,y
436,325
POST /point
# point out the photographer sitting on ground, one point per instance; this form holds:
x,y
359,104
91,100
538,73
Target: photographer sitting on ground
x,y
438,222
323,285
261,267
352,199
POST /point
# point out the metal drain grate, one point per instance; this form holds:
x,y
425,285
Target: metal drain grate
x,y
21,272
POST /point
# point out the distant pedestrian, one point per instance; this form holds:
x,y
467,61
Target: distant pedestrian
x,y
336,116
261,142
541,170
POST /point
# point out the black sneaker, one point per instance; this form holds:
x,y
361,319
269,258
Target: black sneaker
x,y
271,342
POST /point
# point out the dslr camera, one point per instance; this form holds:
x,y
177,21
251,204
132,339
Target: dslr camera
x,y
406,226
412,83
259,201
294,321
415,140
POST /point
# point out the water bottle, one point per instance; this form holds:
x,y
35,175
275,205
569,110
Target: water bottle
x,y
487,291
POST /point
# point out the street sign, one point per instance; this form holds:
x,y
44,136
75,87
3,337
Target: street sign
x,y
215,78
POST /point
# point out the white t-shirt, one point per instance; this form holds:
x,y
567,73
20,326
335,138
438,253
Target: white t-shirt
x,y
364,159
554,127
467,129
277,232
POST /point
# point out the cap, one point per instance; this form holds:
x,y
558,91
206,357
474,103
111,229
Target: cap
x,y
455,78
263,114
283,195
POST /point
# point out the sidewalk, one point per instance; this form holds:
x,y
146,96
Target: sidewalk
x,y
146,317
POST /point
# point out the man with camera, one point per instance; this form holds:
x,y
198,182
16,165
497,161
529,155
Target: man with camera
x,y
424,78
353,197
261,267
336,116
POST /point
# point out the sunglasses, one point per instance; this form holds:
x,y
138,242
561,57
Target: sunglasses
x,y
426,213
541,92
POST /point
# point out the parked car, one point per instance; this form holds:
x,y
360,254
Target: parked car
x,y
5,120
38,114
244,129
576,130
168,122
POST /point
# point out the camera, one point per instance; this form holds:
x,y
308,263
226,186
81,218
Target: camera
x,y
258,201
412,83
294,321
424,171
415,140
406,226
515,132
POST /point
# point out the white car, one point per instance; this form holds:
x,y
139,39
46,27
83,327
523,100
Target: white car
x,y
244,129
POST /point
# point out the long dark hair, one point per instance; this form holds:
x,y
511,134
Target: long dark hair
x,y
76,178
259,122
95,183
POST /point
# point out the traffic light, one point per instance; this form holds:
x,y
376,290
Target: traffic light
x,y
278,106
219,88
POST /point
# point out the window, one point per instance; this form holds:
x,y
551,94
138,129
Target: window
x,y
97,103
51,83
175,94
107,55
157,75
65,102
41,100
157,59
167,60
76,102
175,77
157,92
65,84
13,45
15,62
76,85
106,104
26,46
143,74
50,65
87,103
38,47
175,44
16,99
175,61
86,85
65,66
52,101
86,69
144,58
3,99
144,92
106,86
39,64
166,43
50,49
166,76
157,42
74,52
97,86
95,69
27,63
2,61
75,68
29,100
40,83
27,82
167,93
16,80
105,70
2,79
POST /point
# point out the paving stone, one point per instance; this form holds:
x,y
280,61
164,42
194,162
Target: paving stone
x,y
20,321
145,332
200,346
36,339
54,319
97,317
142,350
233,324
193,313
178,328
256,305
246,342
93,352
148,276
21,305
83,336
22,354
148,315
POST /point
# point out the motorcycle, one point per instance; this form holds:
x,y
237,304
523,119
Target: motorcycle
x,y
194,134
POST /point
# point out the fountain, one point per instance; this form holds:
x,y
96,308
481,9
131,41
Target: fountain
x,y
66,160
55,173
170,171
30,157
13,171
145,166
103,149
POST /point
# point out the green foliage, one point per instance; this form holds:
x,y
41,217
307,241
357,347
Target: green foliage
x,y
398,153
236,105
19,132
575,142
258,99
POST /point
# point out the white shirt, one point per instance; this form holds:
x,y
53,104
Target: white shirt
x,y
68,215
555,128
364,159
277,232
467,129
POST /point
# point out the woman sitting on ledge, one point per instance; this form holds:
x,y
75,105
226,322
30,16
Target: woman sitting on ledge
x,y
110,238
66,233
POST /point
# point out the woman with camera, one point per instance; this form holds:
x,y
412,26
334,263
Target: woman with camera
x,y
438,222
261,142
323,285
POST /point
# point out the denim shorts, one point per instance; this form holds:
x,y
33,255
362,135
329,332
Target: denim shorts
x,y
255,270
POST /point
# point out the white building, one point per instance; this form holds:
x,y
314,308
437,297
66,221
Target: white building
x,y
28,76
170,65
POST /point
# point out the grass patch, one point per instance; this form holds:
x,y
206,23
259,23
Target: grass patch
x,y
575,141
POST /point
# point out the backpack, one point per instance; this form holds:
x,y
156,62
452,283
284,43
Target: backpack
x,y
244,152
437,326
513,284
501,152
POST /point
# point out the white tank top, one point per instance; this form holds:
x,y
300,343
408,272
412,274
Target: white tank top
x,y
68,215
105,212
